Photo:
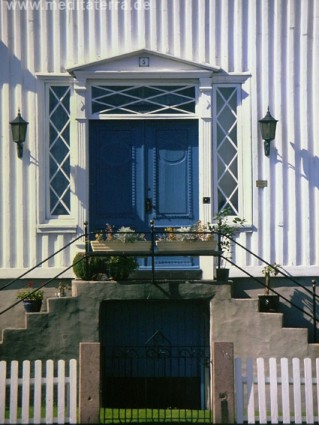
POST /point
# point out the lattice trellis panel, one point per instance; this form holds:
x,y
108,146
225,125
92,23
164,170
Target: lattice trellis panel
x,y
59,150
143,100
227,148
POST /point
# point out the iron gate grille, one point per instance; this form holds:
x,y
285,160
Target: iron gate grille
x,y
156,384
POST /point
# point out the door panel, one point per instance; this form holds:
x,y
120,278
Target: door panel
x,y
173,177
116,174
143,170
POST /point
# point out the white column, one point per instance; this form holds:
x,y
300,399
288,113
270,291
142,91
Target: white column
x,y
81,155
205,149
205,163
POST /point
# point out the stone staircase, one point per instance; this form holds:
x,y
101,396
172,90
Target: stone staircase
x,y
68,321
258,334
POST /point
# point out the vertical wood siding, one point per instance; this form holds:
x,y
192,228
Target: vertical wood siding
x,y
276,41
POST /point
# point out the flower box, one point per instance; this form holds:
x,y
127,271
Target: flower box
x,y
116,246
187,247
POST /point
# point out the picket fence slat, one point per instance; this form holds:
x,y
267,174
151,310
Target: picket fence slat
x,y
239,391
25,386
308,391
261,391
286,393
37,391
273,390
3,377
297,390
14,392
61,391
25,391
250,392
49,392
72,393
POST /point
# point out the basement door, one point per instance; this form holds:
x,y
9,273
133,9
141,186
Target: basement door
x,y
142,170
155,355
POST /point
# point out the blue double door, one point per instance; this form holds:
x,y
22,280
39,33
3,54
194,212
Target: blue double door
x,y
142,170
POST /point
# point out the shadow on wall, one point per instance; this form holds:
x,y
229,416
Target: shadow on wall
x,y
306,165
293,317
13,72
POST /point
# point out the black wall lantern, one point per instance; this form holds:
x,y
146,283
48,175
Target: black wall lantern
x,y
19,131
268,130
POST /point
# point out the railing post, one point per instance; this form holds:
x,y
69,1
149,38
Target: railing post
x,y
223,383
219,244
87,245
153,249
314,283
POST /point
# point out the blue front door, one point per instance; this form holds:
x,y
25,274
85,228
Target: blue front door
x,y
143,170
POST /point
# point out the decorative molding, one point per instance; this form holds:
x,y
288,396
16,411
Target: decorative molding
x,y
57,228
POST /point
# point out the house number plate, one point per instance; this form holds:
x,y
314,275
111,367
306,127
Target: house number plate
x,y
144,61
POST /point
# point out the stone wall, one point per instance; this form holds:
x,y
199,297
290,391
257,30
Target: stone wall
x,y
70,321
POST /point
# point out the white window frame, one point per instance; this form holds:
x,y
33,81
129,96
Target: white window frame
x,y
244,147
80,112
46,223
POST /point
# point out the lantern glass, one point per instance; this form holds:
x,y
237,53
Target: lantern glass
x,y
19,129
268,126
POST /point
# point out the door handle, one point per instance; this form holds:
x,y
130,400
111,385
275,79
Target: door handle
x,y
148,205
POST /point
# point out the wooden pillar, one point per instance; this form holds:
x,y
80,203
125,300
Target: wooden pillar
x,y
89,391
223,383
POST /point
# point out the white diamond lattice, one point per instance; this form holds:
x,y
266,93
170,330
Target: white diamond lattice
x,y
227,149
143,99
59,150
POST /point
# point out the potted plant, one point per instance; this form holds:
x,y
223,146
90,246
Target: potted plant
x,y
269,302
32,299
225,228
103,267
120,267
62,288
89,268
125,239
190,239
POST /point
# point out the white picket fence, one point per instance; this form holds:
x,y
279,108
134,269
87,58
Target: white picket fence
x,y
36,394
276,391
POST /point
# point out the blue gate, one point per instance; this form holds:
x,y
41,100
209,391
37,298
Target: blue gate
x,y
156,362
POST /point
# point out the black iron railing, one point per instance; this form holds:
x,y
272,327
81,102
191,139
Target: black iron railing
x,y
153,254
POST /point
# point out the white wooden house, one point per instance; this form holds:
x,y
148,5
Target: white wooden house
x,y
78,70
150,109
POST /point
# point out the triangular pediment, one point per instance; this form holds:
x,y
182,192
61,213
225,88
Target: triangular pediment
x,y
142,61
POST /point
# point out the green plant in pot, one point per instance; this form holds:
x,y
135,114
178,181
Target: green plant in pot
x,y
99,267
120,267
32,299
88,268
226,228
268,271
269,302
62,287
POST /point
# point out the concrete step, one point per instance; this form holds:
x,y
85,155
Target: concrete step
x,y
252,331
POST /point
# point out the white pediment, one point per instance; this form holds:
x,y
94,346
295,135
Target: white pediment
x,y
142,62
